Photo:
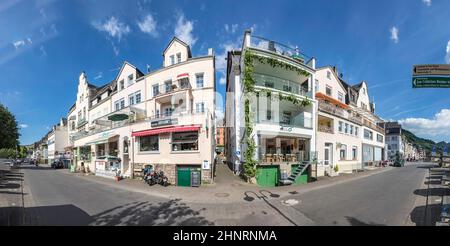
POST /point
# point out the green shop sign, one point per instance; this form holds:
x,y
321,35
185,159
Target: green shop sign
x,y
431,82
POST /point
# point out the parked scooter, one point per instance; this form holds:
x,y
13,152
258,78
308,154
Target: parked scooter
x,y
152,178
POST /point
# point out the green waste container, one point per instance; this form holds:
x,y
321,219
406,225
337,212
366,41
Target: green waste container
x,y
72,168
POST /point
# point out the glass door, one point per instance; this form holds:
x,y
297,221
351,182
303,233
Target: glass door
x,y
328,154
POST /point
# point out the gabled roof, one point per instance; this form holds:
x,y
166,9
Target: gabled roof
x,y
340,81
138,72
181,42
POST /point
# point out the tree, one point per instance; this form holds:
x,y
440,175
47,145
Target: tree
x,y
9,131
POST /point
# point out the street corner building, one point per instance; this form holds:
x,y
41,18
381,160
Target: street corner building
x,y
297,121
271,111
164,119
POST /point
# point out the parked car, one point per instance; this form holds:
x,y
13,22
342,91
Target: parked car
x,y
57,164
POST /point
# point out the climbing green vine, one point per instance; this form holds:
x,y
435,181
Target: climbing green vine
x,y
249,88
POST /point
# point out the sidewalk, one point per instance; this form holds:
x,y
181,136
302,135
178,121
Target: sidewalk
x,y
11,195
227,190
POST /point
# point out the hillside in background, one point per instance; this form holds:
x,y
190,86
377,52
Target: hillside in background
x,y
422,142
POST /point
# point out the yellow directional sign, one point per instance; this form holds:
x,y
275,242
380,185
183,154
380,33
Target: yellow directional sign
x,y
420,70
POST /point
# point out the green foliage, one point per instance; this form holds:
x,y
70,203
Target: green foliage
x,y
274,63
8,153
336,168
9,131
426,144
23,151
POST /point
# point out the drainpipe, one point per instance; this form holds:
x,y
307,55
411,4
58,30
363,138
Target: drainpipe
x,y
132,157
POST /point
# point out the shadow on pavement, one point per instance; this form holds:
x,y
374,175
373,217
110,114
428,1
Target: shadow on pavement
x,y
430,192
48,215
419,218
168,213
41,168
433,182
355,222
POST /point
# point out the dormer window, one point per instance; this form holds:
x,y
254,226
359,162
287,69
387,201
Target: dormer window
x,y
178,57
172,59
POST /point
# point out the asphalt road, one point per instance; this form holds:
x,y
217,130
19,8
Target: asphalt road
x,y
388,198
383,199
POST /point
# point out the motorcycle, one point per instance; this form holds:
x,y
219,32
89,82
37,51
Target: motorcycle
x,y
153,177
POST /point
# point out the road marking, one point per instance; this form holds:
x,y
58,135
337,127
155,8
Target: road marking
x,y
291,202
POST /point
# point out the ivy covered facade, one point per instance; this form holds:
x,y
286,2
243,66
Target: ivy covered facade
x,y
270,108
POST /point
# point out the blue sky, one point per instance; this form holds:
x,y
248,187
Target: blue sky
x,y
45,44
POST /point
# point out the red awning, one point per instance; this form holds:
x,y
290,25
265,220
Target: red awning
x,y
166,130
183,75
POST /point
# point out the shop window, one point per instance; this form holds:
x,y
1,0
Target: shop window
x,y
85,153
184,141
149,143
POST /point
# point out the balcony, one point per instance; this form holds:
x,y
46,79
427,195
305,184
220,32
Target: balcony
x,y
169,88
298,121
81,122
282,85
373,126
279,49
340,112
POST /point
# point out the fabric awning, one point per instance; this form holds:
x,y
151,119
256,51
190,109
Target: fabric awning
x,y
331,100
101,140
183,75
166,130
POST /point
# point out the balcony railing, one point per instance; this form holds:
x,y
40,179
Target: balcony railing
x,y
294,158
81,122
171,87
280,49
325,129
298,121
373,126
171,118
340,112
282,85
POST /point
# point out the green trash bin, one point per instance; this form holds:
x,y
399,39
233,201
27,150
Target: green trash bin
x,y
72,168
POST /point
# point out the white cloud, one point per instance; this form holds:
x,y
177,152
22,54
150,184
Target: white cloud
x,y
18,43
447,53
99,76
148,25
23,126
437,127
42,49
427,2
231,28
184,29
394,34
113,27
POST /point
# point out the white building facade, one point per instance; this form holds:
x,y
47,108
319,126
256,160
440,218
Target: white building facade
x,y
280,106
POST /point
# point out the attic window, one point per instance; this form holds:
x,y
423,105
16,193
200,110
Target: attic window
x,y
328,74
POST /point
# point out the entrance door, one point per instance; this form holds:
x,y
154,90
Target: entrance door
x,y
328,154
184,176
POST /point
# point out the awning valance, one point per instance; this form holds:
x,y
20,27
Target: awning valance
x,y
166,130
101,140
183,75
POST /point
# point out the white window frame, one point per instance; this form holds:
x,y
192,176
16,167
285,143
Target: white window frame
x,y
172,59
200,109
178,57
130,81
121,85
331,90
197,75
340,96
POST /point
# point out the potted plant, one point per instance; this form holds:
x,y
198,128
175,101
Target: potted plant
x,y
336,169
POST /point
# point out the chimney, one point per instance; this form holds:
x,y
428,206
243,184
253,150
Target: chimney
x,y
210,52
